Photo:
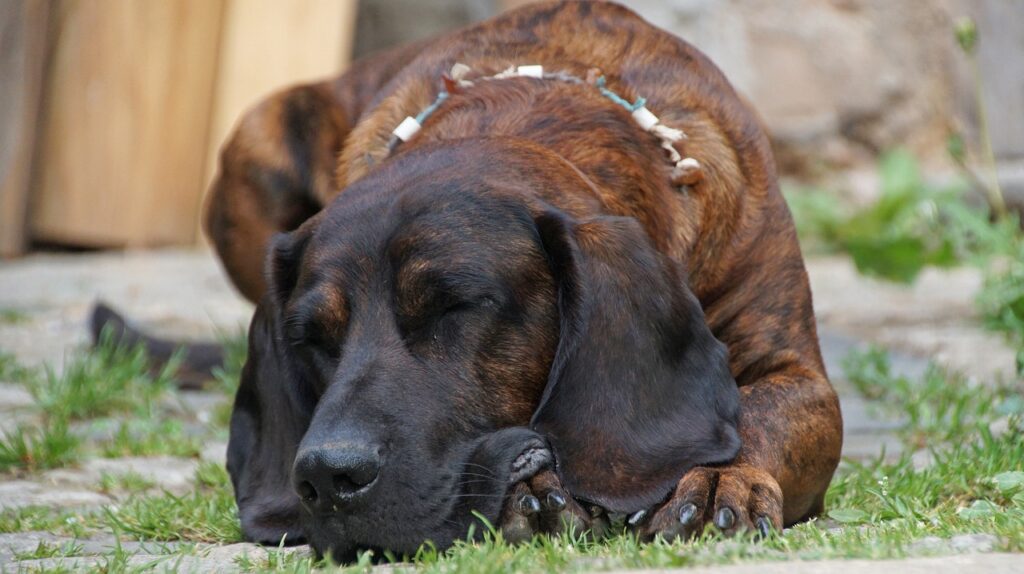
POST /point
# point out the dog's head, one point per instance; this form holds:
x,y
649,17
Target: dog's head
x,y
440,320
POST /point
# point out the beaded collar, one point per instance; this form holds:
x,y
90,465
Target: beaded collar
x,y
686,170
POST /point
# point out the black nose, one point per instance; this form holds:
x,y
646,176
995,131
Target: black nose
x,y
330,475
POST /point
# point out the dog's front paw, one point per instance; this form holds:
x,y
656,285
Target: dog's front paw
x,y
733,498
539,504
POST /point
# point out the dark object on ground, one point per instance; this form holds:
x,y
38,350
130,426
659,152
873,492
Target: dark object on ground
x,y
198,360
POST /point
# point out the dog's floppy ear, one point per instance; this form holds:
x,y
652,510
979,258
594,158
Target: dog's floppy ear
x,y
640,390
272,410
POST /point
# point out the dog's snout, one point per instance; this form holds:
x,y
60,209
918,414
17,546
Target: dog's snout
x,y
328,475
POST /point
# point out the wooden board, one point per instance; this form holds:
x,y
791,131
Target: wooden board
x,y
23,43
125,119
269,45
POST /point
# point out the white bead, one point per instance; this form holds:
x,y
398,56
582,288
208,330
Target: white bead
x,y
645,118
407,128
533,71
459,71
688,163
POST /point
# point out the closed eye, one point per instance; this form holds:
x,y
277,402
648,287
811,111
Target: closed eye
x,y
302,333
469,304
457,307
444,309
295,331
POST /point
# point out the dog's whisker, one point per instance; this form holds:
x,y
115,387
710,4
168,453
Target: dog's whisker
x,y
476,495
480,466
476,475
475,481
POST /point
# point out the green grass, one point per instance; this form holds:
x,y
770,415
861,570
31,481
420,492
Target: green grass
x,y
146,437
9,316
940,408
48,550
201,516
236,348
124,482
106,383
37,448
877,509
43,518
207,514
109,379
10,370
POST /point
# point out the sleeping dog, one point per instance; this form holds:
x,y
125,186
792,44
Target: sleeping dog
x,y
538,270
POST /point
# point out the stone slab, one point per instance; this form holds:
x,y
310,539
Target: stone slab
x,y
13,397
22,493
988,563
220,559
934,318
179,292
167,472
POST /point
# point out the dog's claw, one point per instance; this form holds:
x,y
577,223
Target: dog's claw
x,y
539,504
764,526
528,505
555,501
637,517
725,519
687,513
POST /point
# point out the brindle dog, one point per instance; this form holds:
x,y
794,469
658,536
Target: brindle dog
x,y
517,311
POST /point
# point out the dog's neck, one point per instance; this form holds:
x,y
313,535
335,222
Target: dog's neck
x,y
559,116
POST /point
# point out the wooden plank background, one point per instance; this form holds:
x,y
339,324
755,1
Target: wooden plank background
x,y
265,49
23,44
125,118
137,96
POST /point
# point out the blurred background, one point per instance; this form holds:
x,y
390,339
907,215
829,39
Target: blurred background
x,y
113,110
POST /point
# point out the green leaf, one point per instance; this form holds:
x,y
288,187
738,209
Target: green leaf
x,y
901,179
979,509
848,515
956,147
1009,481
944,255
894,258
966,34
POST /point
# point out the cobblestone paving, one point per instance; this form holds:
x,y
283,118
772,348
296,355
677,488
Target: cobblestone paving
x,y
184,294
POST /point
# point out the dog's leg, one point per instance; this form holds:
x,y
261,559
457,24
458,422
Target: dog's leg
x,y
277,163
790,422
277,169
791,431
